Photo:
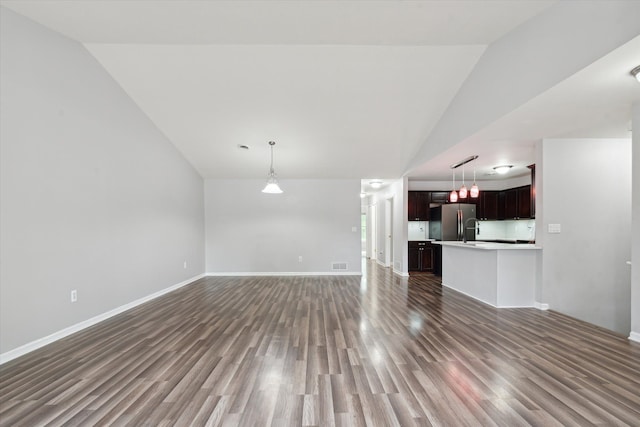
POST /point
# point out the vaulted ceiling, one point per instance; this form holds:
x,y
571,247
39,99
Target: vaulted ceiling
x,y
347,89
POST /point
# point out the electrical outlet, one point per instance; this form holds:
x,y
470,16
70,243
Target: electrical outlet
x,y
300,258
74,295
185,264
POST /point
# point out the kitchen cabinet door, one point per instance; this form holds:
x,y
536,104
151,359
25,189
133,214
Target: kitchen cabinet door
x,y
421,256
411,205
418,206
414,258
489,204
524,202
517,203
511,203
427,258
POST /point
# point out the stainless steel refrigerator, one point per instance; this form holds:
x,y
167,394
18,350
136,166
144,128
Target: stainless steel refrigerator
x,y
449,222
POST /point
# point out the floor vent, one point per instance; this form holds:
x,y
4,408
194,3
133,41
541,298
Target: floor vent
x,y
339,266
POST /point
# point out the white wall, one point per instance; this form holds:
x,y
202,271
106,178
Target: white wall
x,y
635,236
248,231
94,197
586,188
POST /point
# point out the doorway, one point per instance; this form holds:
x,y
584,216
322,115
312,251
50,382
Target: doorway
x,y
372,232
363,233
388,233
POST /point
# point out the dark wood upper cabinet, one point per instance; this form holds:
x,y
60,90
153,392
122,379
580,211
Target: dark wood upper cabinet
x,y
411,205
418,206
440,197
490,205
524,202
517,203
501,206
511,203
533,190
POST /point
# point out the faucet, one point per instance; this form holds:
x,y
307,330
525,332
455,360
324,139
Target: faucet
x,y
466,223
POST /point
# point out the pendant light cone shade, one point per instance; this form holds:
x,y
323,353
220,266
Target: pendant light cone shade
x,y
453,196
474,192
272,186
462,193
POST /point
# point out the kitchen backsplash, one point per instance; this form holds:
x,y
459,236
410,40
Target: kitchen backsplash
x,y
522,229
418,230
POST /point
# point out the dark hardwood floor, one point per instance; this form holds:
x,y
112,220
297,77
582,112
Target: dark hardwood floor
x,y
333,350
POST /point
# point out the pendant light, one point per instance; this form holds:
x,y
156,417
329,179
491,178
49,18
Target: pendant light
x,y
475,191
463,190
453,196
463,193
272,186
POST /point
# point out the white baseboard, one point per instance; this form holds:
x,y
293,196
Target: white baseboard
x,y
41,342
400,273
286,273
634,336
541,306
470,296
487,302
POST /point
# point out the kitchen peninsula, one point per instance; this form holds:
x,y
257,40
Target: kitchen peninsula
x,y
499,274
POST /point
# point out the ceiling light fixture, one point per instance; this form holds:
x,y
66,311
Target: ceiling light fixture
x,y
375,184
636,73
475,191
502,169
272,186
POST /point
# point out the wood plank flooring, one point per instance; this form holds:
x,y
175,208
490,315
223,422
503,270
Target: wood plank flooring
x,y
321,351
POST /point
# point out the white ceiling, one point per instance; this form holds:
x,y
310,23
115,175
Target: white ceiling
x,y
593,103
347,89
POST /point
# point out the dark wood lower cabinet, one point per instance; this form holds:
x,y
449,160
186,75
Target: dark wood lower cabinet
x,y
437,260
421,256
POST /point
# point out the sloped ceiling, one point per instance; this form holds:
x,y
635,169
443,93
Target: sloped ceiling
x,y
347,89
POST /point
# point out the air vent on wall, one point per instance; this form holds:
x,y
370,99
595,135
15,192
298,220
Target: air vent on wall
x,y
339,266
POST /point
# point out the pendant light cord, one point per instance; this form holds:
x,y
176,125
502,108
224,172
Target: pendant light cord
x,y
271,144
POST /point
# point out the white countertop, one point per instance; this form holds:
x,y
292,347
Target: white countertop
x,y
488,245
